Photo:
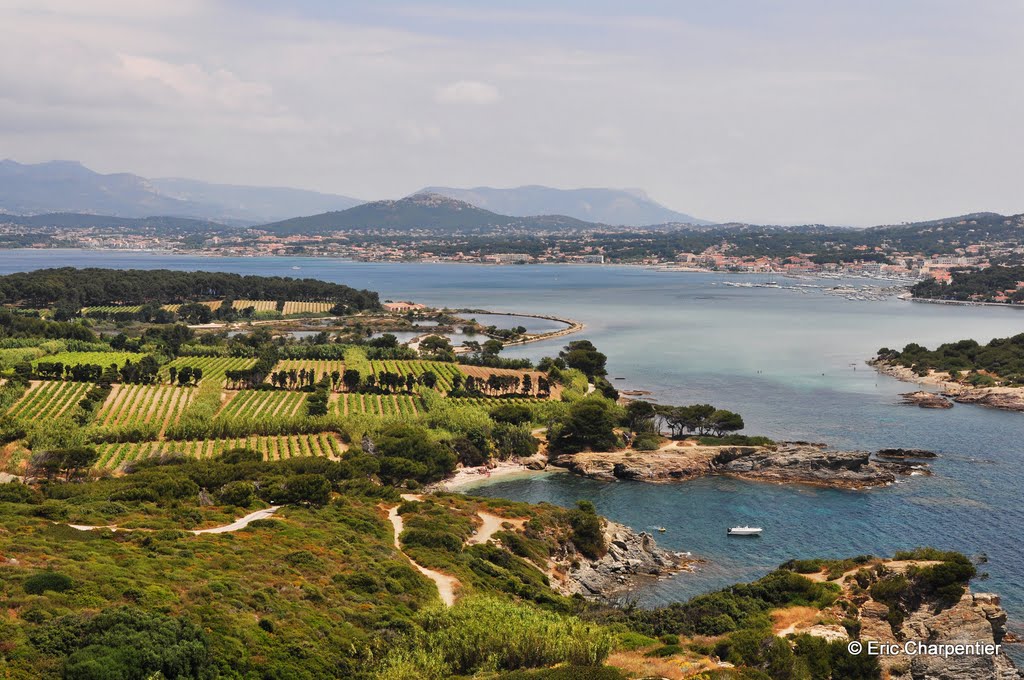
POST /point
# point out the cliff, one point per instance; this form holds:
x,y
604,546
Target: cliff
x,y
788,463
632,558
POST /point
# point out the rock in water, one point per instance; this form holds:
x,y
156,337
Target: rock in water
x,y
926,399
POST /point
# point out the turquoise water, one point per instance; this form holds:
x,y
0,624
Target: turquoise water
x,y
792,364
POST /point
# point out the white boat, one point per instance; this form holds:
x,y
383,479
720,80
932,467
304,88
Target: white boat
x,y
745,531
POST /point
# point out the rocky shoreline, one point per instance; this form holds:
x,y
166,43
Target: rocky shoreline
x,y
786,463
1005,398
632,558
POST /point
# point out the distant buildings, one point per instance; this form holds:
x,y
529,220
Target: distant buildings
x,y
403,306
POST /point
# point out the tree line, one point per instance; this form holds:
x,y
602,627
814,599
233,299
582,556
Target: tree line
x,y
95,287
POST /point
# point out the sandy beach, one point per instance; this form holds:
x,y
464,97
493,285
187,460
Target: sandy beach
x,y
466,478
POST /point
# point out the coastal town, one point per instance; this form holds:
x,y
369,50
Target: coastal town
x,y
722,250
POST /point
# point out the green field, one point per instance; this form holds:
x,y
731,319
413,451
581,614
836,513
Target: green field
x,y
377,404
248,403
114,456
49,399
99,358
212,367
112,309
129,405
443,370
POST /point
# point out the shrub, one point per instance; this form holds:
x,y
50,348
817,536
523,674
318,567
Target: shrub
x,y
16,492
648,441
48,580
490,634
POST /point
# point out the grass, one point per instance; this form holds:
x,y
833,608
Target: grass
x,y
99,358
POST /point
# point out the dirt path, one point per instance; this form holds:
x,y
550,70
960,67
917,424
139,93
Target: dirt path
x,y
446,585
491,525
227,528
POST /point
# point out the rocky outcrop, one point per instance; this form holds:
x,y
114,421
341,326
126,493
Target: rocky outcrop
x,y
976,619
632,557
906,453
1006,398
926,399
795,462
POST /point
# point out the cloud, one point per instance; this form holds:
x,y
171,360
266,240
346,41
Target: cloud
x,y
801,112
467,92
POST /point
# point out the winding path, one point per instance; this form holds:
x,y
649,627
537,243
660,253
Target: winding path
x,y
227,528
446,585
491,525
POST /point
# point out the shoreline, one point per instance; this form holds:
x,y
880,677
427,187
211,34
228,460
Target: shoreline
x,y
1002,398
473,477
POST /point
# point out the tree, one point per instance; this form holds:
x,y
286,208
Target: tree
x,y
640,416
590,424
587,530
428,379
351,378
582,355
721,421
491,347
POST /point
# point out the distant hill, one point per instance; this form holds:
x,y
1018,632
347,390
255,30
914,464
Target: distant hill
x,y
427,211
82,220
258,204
618,207
70,187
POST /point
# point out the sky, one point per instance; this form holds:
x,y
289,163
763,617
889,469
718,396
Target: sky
x,y
852,112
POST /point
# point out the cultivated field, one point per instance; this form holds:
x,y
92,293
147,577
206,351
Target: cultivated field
x,y
112,309
114,456
98,358
49,399
144,404
306,307
318,366
213,367
246,403
443,370
376,404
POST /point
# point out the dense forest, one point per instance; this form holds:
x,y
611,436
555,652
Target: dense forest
x,y
981,286
1001,360
95,287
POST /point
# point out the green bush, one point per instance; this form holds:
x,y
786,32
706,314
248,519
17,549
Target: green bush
x,y
647,441
484,633
38,584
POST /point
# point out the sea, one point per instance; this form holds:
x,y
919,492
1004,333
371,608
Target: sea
x,y
791,360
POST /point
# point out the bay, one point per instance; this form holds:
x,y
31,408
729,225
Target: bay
x,y
790,363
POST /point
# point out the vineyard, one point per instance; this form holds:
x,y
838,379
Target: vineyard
x,y
318,366
489,402
443,370
47,400
114,456
112,309
307,307
213,367
264,403
130,405
377,405
97,358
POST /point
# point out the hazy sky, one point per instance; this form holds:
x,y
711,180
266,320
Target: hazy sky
x,y
846,112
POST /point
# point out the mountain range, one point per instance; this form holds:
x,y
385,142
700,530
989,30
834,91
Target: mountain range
x,y
70,187
618,207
